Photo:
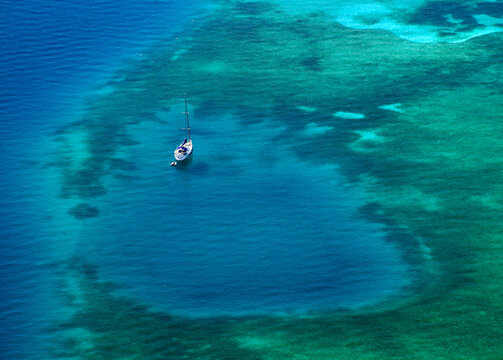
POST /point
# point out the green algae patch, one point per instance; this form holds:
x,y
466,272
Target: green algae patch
x,y
431,173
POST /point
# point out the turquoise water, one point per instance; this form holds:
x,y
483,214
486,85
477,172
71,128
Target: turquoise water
x,y
274,216
242,229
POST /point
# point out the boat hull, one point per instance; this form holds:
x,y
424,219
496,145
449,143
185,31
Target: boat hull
x,y
184,152
185,158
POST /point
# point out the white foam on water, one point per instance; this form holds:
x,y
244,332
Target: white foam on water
x,y
349,115
367,140
307,108
393,107
392,16
489,21
369,135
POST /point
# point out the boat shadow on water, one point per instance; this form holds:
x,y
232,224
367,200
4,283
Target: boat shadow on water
x,y
195,167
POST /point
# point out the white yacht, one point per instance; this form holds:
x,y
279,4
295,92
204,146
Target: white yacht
x,y
184,151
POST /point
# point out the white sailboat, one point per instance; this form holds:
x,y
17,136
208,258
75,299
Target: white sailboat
x,y
184,151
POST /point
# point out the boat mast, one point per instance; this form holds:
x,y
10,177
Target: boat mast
x,y
187,114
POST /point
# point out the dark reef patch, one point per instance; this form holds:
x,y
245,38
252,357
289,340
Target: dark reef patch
x,y
253,7
494,9
436,12
312,63
84,211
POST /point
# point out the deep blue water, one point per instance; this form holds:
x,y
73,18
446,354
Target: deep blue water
x,y
52,52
